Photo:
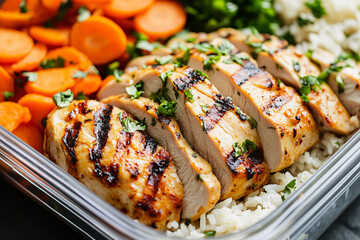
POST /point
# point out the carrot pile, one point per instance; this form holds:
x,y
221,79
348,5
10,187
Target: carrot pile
x,y
48,47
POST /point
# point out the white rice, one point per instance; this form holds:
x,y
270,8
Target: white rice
x,y
337,31
231,216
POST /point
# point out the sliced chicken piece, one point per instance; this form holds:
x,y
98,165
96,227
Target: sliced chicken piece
x,y
345,83
289,64
286,127
210,124
126,168
201,187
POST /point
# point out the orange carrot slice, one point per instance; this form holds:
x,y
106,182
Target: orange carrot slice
x,y
14,45
30,134
9,19
14,5
126,8
32,60
51,81
6,83
50,36
99,38
90,84
72,57
39,106
52,5
161,20
13,114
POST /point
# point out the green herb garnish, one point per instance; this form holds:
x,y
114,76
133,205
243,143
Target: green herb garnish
x,y
210,233
8,95
189,97
80,74
83,14
81,96
135,91
199,178
205,108
340,84
53,63
153,121
23,7
31,76
253,123
164,60
65,6
316,8
130,125
243,147
296,66
167,108
309,83
63,99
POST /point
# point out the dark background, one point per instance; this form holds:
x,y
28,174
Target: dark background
x,y
21,218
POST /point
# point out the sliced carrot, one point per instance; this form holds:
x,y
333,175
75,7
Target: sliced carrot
x,y
30,134
126,8
72,57
14,45
51,36
9,19
32,60
52,5
13,114
99,38
6,83
39,106
91,1
51,81
90,84
161,20
14,5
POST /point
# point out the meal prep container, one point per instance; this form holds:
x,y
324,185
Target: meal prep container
x,y
304,215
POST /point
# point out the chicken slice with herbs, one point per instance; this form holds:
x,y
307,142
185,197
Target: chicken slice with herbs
x,y
292,67
107,150
201,187
212,125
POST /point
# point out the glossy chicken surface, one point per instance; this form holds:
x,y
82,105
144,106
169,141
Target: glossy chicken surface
x,y
91,141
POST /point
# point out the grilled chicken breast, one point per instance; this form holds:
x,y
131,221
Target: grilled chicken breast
x,y
345,82
213,126
289,64
126,168
201,187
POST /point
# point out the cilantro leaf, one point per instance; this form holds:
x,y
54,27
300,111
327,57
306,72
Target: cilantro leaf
x,y
80,74
188,96
113,69
296,66
244,147
316,8
205,108
289,186
23,7
164,60
212,59
81,96
135,91
83,14
167,108
63,99
130,125
31,76
8,95
210,233
53,63
65,6
340,84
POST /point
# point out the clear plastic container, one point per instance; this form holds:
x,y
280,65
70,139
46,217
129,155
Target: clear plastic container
x,y
304,215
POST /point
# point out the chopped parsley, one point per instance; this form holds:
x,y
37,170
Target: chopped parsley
x,y
243,147
205,108
58,62
153,121
167,108
212,59
291,186
135,91
194,155
210,233
340,84
141,45
23,7
81,96
253,123
238,59
113,69
164,60
278,82
185,58
257,46
130,125
225,47
31,76
80,74
63,99
164,76
8,95
309,83
83,14
316,8
296,66
199,178
65,6
303,21
189,97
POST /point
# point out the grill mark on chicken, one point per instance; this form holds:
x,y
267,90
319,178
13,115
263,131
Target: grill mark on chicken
x,y
150,144
70,139
163,119
80,108
156,171
102,127
250,163
108,173
216,112
277,102
190,78
248,71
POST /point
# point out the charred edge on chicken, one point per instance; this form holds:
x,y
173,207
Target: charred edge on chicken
x,y
276,102
216,112
70,138
249,162
80,108
190,79
248,71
